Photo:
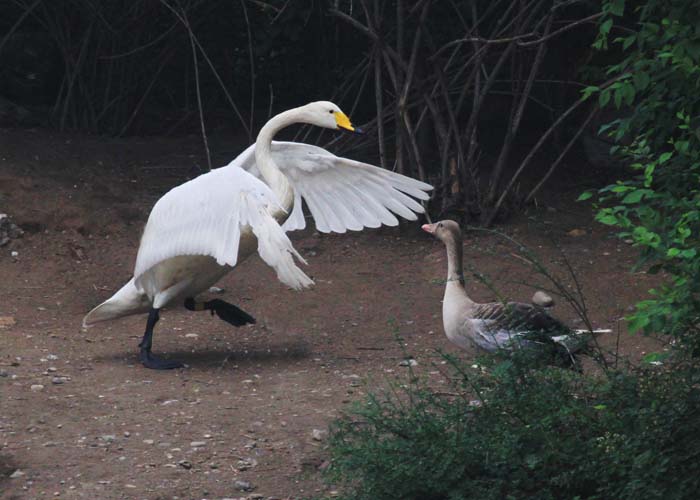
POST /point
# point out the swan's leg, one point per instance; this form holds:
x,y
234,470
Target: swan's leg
x,y
148,359
228,312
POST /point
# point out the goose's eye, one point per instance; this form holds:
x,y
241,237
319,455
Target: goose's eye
x,y
440,224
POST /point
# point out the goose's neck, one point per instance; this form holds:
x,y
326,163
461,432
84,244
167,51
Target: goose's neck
x,y
454,263
455,274
263,157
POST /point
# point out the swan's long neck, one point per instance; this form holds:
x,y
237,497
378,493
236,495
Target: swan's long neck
x,y
263,156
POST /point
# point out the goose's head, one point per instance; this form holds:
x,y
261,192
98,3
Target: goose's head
x,y
447,231
326,114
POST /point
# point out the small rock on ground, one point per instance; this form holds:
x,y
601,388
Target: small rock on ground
x,y
243,485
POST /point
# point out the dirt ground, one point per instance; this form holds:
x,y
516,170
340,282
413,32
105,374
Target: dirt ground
x,y
81,418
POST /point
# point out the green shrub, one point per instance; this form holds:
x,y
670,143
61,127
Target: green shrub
x,y
659,135
508,432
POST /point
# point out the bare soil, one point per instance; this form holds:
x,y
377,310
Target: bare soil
x,y
81,418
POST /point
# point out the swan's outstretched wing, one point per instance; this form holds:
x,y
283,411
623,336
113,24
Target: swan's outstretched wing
x,y
207,215
341,193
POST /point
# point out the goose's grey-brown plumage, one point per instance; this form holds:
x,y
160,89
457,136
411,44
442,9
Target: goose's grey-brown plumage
x,y
496,326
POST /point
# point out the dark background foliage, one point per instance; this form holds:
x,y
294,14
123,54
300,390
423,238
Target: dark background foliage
x,y
481,98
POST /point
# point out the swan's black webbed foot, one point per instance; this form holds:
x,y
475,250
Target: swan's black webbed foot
x,y
145,355
154,363
227,312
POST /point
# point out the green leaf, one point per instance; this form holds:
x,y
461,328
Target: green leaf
x,y
689,253
618,97
641,80
655,358
617,7
588,91
608,220
665,157
604,98
634,196
584,196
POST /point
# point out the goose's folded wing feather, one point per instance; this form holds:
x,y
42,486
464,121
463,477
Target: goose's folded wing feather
x,y
209,214
342,194
505,322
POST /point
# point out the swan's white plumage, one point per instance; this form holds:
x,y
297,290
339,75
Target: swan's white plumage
x,y
198,231
342,194
207,215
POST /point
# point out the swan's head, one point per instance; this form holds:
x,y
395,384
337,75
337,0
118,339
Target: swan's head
x,y
326,114
447,231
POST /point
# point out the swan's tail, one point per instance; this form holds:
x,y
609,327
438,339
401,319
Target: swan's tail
x,y
128,300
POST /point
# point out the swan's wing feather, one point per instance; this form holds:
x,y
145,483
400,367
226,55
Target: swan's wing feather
x,y
341,194
209,214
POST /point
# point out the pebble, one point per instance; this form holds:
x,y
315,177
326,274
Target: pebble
x,y
246,464
577,232
37,387
318,434
191,335
108,437
198,444
243,485
3,373
185,464
6,321
408,362
216,289
58,380
148,441
16,474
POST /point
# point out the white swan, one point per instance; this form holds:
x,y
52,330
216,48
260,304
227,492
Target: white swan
x,y
198,231
498,326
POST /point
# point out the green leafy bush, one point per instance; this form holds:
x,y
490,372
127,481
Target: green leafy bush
x,y
508,432
658,83
548,433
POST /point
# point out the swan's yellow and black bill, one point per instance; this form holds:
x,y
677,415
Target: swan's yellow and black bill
x,y
342,120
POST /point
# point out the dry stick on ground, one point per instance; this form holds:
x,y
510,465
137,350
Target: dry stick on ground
x,y
211,66
252,72
27,10
163,63
538,145
378,89
199,95
563,153
403,112
399,81
514,124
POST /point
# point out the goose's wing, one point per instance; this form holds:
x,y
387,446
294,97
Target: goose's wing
x,y
502,324
208,215
341,193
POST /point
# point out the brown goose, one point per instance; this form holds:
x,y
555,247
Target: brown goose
x,y
497,326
